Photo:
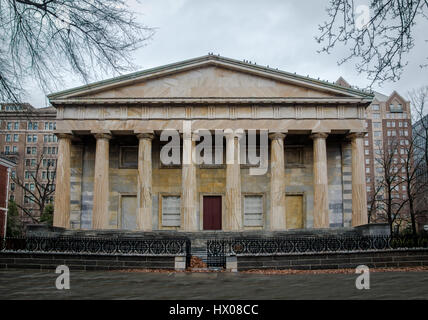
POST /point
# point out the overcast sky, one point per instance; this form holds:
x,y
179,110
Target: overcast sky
x,y
275,33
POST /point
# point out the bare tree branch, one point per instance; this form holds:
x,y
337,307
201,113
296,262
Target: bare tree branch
x,y
379,45
41,39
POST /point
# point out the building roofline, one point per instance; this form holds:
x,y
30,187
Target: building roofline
x,y
210,58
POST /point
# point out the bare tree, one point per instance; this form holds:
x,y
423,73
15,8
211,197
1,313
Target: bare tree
x,y
38,188
373,204
40,39
389,206
379,39
419,102
411,180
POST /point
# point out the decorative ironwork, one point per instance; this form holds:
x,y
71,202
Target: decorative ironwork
x,y
217,250
95,245
216,253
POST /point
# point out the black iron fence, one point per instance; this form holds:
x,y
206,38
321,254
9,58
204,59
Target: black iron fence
x,y
217,250
96,245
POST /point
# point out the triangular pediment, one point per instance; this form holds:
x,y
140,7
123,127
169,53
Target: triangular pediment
x,y
209,77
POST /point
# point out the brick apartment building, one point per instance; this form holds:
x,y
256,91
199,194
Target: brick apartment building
x,y
388,119
26,136
6,167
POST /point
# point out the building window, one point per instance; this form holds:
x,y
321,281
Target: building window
x,y
253,211
8,138
367,161
16,138
367,170
377,133
171,216
395,108
376,116
128,157
12,186
375,107
32,125
293,156
16,126
9,126
367,152
376,125
366,142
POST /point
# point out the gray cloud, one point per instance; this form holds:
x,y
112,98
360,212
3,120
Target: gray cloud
x,y
275,33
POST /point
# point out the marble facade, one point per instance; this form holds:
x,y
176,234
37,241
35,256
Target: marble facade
x,y
110,176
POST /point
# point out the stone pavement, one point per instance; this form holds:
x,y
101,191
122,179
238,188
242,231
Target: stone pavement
x,y
31,284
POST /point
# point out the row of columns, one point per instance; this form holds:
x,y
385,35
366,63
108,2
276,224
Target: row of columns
x,y
234,217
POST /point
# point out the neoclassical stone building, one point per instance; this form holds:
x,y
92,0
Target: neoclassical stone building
x,y
110,176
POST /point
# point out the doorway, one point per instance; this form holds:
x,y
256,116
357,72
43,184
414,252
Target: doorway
x,y
212,213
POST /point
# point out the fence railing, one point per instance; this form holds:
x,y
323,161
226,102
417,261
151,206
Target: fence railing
x,y
96,245
217,250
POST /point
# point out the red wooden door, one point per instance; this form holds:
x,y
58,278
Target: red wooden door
x,y
212,212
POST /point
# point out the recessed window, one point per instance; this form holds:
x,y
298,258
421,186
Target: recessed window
x,y
171,211
129,157
253,211
293,156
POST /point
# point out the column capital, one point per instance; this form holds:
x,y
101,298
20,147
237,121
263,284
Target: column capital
x,y
319,135
102,135
355,135
145,136
277,136
64,135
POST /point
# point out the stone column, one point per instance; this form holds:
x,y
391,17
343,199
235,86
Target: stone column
x,y
144,217
188,182
359,196
277,182
62,189
321,217
233,184
101,182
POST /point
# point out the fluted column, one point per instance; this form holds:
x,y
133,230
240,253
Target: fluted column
x,y
321,217
101,182
359,195
144,217
62,189
277,182
188,181
233,184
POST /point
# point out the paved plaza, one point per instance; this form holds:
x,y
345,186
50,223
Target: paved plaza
x,y
31,284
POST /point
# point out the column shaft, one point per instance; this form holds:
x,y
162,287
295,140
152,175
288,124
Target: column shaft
x,y
277,182
144,216
189,190
100,211
233,185
321,214
62,188
359,196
